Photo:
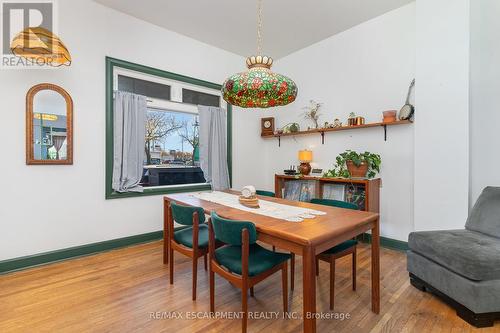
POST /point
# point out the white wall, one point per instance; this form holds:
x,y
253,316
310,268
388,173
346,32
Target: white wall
x,y
365,70
442,121
45,208
484,95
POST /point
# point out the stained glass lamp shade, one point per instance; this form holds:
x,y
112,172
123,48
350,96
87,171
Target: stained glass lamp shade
x,y
259,87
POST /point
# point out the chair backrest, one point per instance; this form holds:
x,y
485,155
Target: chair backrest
x,y
485,215
265,193
335,203
229,231
184,214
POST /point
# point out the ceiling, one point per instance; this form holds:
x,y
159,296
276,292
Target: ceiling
x,y
288,25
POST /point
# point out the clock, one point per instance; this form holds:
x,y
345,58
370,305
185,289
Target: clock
x,y
267,126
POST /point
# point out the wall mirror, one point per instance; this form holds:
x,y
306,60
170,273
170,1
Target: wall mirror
x,y
49,125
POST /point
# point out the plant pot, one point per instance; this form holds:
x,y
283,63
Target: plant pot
x,y
389,116
355,171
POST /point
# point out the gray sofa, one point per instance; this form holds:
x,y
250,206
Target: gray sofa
x,y
462,267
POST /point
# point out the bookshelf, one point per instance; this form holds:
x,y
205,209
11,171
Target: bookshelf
x,y
369,188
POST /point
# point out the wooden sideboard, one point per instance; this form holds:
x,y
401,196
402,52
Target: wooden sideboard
x,y
371,188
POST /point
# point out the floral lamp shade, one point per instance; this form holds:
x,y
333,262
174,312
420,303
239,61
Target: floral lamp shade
x,y
259,87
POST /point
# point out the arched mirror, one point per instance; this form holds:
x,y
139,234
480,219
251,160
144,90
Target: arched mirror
x,y
49,125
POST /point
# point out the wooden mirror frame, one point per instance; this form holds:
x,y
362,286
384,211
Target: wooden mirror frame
x,y
30,96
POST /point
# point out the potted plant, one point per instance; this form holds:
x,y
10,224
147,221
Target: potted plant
x,y
351,164
291,128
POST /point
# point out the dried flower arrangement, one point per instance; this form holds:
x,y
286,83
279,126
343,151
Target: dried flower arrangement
x,y
312,112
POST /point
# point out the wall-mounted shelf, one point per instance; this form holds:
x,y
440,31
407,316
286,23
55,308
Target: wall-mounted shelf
x,y
322,131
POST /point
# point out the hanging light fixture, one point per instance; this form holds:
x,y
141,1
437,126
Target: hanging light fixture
x,y
259,87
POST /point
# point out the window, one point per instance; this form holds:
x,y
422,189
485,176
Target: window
x,y
171,162
199,98
171,151
143,87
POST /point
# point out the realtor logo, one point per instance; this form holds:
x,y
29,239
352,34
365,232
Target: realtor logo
x,y
27,35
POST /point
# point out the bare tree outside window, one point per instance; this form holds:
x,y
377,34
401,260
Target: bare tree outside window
x,y
159,126
189,132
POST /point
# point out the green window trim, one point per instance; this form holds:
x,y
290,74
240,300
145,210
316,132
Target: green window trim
x,y
111,64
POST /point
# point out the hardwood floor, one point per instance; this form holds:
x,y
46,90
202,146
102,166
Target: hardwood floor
x,y
127,290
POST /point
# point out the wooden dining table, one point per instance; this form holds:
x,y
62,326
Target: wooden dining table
x,y
307,239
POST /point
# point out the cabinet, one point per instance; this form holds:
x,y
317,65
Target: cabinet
x,y
364,192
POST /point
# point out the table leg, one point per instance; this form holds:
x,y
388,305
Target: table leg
x,y
376,267
309,289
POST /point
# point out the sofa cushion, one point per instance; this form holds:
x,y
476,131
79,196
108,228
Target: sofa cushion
x,y
485,215
471,254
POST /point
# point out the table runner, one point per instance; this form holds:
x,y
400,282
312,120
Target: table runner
x,y
267,208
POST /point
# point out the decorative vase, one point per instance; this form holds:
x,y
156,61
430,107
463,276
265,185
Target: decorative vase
x,y
357,171
305,168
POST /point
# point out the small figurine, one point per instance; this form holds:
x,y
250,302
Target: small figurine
x,y
337,123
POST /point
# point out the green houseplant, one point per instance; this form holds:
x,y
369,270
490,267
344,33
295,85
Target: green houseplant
x,y
352,164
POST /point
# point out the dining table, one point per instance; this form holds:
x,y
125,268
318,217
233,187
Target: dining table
x,y
306,238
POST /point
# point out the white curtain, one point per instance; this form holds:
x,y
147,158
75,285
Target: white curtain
x,y
129,130
213,146
57,143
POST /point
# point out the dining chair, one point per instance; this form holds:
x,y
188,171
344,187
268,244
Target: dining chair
x,y
292,260
242,261
338,251
190,239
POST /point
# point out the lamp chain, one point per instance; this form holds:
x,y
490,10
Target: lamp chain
x,y
259,27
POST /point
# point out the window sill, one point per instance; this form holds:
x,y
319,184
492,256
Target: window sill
x,y
159,191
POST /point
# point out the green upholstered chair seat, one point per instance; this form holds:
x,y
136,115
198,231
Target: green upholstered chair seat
x,y
259,259
181,227
341,247
335,203
185,236
265,193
